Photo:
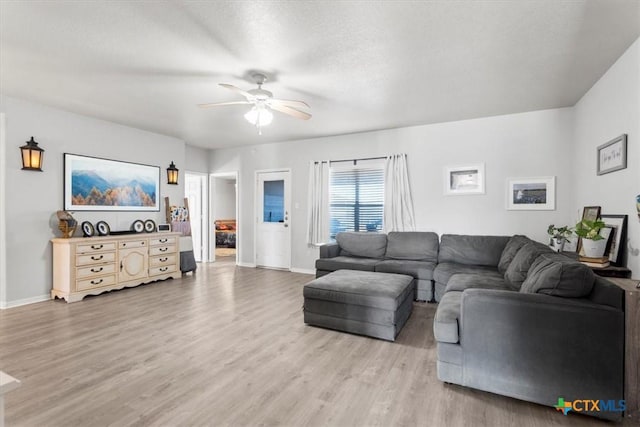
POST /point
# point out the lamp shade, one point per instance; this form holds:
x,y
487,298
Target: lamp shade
x,y
32,156
172,174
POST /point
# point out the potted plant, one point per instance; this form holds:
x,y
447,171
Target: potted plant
x,y
558,236
593,243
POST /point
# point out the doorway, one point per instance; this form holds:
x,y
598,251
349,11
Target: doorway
x,y
195,190
224,202
273,216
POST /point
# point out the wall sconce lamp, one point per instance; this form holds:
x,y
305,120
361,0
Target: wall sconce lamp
x,y
31,156
172,174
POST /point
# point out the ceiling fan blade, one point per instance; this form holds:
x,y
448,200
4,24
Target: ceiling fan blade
x,y
291,112
219,104
238,90
288,103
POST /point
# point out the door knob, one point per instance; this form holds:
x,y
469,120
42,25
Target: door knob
x,y
286,225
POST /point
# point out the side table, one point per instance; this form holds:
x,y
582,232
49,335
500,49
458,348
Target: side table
x,y
632,345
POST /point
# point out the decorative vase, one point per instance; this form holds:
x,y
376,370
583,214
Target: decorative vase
x,y
557,244
594,248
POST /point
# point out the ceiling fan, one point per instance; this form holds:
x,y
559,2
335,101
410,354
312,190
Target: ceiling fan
x,y
263,102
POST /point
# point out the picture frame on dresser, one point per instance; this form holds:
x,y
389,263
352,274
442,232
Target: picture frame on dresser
x,y
97,184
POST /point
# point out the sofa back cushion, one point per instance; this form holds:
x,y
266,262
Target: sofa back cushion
x,y
472,250
366,245
559,276
510,250
412,245
518,268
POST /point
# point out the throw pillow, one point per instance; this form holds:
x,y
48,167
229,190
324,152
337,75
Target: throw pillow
x,y
366,245
510,250
561,277
517,271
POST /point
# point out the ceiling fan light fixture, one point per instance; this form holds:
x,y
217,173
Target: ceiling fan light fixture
x,y
259,116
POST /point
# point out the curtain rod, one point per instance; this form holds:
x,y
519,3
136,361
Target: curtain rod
x,y
352,160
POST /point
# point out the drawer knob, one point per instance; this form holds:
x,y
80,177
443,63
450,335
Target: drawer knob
x,y
163,269
97,258
97,270
163,249
163,259
96,247
96,282
163,240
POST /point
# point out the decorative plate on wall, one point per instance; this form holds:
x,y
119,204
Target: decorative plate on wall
x,y
138,226
87,229
149,226
103,228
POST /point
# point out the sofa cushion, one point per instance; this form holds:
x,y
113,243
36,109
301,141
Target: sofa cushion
x,y
366,245
519,266
560,277
417,269
346,263
460,282
443,271
510,250
412,245
472,250
446,326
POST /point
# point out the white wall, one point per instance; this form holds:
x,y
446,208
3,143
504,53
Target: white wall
x,y
32,198
196,159
224,201
610,108
520,145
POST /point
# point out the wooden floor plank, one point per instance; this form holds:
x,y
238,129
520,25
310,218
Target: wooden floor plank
x,y
228,346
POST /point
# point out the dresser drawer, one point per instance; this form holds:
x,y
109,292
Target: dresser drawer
x,y
95,247
161,250
97,258
96,282
162,260
155,271
132,244
96,270
162,241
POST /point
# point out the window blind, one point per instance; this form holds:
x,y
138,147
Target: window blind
x,y
356,198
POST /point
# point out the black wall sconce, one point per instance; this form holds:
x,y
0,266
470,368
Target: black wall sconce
x,y
172,174
31,156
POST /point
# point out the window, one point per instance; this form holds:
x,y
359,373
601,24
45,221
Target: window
x,y
356,199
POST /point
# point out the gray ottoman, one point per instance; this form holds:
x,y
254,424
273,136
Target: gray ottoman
x,y
361,302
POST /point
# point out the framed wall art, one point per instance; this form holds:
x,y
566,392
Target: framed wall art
x,y
612,156
590,213
464,179
618,236
95,184
537,194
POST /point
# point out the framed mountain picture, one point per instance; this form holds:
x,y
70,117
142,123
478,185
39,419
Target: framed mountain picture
x,y
95,184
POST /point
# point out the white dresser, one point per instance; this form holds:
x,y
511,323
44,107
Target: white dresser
x,y
92,265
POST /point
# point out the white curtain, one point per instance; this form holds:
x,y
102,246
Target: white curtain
x,y
318,214
398,203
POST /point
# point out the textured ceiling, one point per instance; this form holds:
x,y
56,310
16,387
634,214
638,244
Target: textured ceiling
x,y
361,65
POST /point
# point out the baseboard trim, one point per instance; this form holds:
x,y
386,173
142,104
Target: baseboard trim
x,y
246,264
303,271
11,304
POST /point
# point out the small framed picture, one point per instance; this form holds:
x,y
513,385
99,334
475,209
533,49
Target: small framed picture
x,y
531,194
591,213
460,180
618,236
612,156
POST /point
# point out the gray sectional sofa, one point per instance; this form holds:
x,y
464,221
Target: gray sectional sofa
x,y
514,318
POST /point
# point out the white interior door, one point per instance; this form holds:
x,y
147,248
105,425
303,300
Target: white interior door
x,y
195,190
273,233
